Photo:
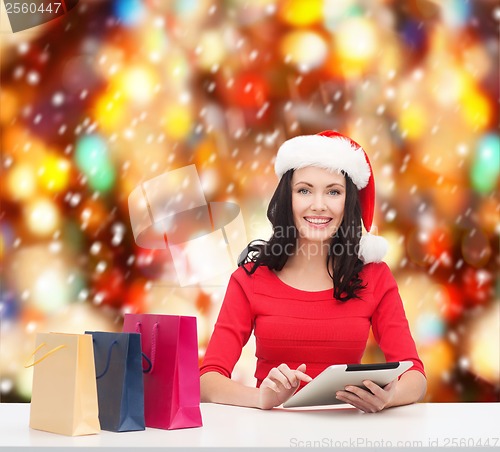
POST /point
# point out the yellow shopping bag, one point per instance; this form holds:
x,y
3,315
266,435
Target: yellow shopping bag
x,y
64,393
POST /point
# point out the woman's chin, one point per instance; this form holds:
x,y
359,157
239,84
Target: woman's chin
x,y
315,240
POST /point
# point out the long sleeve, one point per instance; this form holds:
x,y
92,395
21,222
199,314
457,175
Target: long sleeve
x,y
231,332
389,323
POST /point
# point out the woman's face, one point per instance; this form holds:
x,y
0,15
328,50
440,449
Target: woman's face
x,y
318,199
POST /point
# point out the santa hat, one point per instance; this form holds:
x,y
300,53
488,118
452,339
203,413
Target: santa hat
x,y
334,151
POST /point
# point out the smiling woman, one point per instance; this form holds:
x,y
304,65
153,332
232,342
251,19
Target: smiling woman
x,y
311,293
318,198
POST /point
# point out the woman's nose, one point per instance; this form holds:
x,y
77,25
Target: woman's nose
x,y
318,203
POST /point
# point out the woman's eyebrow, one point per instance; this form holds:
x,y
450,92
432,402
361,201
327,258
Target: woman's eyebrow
x,y
311,185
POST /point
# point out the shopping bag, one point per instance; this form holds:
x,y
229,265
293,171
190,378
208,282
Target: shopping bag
x,y
64,392
172,382
120,388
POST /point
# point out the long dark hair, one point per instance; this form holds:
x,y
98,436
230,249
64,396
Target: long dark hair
x,y
343,251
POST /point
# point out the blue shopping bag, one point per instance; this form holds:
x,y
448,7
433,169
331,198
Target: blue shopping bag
x,y
120,387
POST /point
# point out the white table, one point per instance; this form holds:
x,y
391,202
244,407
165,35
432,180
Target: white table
x,y
435,424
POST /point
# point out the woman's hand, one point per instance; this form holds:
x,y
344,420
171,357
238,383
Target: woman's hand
x,y
280,384
370,400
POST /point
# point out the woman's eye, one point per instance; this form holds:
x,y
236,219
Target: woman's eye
x,y
303,191
334,192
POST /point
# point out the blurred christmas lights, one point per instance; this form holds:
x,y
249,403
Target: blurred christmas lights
x,y
134,89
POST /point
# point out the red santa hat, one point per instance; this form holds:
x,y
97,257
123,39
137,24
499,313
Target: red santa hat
x,y
334,151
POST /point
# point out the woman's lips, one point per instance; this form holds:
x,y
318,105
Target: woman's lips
x,y
318,222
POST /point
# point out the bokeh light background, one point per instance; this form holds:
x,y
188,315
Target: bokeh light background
x,y
117,92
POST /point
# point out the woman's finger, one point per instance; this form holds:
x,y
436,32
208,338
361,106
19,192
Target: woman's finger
x,y
270,384
288,374
300,375
362,393
376,389
354,400
364,399
277,376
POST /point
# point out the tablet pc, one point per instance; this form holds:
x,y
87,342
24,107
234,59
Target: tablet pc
x,y
322,389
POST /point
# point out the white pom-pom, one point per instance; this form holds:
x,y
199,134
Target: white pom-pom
x,y
372,248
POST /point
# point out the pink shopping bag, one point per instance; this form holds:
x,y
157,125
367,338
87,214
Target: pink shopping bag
x,y
171,378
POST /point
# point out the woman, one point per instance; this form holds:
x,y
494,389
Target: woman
x,y
311,293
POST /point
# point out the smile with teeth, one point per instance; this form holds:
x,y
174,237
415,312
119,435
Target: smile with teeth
x,y
318,220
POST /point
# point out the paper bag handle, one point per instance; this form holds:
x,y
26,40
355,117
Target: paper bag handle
x,y
55,349
145,371
154,340
108,360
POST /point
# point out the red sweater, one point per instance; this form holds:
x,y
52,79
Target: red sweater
x,y
294,326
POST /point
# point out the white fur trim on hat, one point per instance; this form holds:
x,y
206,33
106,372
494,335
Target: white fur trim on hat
x,y
334,153
372,248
